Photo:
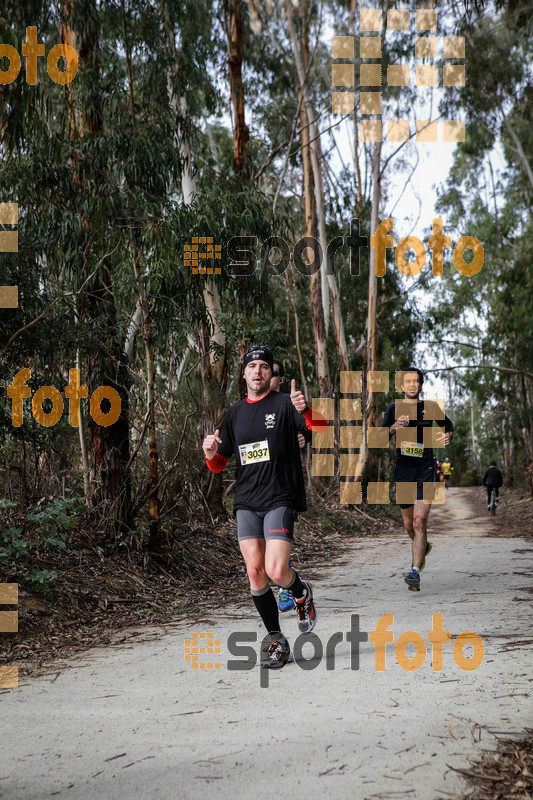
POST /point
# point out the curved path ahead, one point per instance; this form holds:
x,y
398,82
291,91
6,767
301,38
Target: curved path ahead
x,y
135,721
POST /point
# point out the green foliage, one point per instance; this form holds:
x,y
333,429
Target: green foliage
x,y
488,319
53,523
47,529
13,546
470,478
96,168
38,580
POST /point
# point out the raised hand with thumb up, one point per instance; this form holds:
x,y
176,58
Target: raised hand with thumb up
x,y
210,444
298,400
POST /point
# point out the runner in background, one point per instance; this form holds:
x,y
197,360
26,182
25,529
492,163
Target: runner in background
x,y
447,470
416,464
285,598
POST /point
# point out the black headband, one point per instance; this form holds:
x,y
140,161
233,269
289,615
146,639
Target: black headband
x,y
259,353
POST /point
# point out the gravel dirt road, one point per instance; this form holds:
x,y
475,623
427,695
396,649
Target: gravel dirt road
x,y
136,721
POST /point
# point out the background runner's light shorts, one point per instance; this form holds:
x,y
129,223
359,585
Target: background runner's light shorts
x,y
421,472
275,524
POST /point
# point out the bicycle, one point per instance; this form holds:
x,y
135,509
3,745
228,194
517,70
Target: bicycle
x,y
492,504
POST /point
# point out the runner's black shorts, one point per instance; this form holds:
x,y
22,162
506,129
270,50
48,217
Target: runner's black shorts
x,y
423,471
275,524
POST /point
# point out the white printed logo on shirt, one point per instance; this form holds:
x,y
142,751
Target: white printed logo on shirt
x,y
270,421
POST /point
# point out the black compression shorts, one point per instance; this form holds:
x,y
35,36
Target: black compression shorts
x,y
275,524
422,471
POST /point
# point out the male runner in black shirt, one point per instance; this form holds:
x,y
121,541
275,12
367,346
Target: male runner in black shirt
x,y
260,432
416,463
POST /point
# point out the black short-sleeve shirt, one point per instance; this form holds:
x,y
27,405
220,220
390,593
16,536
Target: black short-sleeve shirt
x,y
262,436
427,414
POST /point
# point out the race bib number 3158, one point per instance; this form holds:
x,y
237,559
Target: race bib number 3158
x,y
254,453
413,450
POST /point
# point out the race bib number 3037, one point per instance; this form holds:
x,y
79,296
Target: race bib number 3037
x,y
254,452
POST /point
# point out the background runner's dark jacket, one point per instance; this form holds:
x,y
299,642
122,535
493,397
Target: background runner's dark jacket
x,y
493,477
308,435
424,408
268,484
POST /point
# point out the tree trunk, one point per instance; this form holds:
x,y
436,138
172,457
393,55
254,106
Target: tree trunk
x,y
371,346
518,144
328,282
153,457
241,133
82,433
370,402
144,308
315,291
110,491
315,288
473,433
212,368
23,489
302,66
331,281
527,433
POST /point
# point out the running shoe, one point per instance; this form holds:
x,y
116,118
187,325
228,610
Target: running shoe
x,y
429,548
412,579
305,608
285,599
276,654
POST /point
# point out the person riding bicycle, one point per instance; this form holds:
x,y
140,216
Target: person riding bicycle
x,y
492,480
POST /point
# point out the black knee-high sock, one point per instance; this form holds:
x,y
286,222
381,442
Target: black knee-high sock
x,y
266,605
296,586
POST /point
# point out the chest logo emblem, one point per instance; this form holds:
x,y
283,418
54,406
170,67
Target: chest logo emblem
x,y
270,421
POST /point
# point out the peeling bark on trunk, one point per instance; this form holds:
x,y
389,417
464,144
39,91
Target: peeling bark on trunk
x,y
153,457
357,166
371,348
315,290
342,350
370,403
241,133
328,282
